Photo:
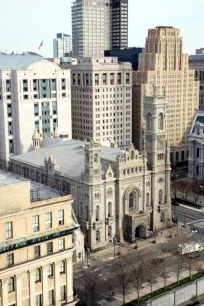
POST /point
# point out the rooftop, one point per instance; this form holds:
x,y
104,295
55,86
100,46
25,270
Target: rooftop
x,y
37,191
18,61
197,57
69,156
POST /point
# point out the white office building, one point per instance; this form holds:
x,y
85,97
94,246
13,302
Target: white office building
x,y
102,100
62,45
34,96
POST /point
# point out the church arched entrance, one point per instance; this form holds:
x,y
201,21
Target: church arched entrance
x,y
140,232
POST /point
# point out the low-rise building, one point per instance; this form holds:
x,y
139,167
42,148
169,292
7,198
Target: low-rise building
x,y
36,250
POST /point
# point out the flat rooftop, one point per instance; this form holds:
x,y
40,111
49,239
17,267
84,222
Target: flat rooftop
x,y
37,191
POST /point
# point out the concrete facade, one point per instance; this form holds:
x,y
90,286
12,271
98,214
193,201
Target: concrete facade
x,y
196,62
101,100
165,64
36,247
196,148
35,94
116,193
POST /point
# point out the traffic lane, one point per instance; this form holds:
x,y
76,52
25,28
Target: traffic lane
x,y
186,215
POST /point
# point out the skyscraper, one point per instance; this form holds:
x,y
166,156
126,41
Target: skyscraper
x,y
62,45
119,24
165,65
101,100
98,26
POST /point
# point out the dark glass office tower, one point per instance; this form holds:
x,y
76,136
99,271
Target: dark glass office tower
x,y
119,24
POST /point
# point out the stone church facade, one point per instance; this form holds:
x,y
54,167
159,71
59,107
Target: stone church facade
x,y
122,194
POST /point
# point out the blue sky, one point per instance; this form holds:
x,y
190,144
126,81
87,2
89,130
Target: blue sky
x,y
25,23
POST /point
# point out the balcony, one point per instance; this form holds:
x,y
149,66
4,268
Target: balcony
x,y
110,220
97,225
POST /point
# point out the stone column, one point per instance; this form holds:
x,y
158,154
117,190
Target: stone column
x,y
69,279
44,283
18,290
57,284
32,287
4,285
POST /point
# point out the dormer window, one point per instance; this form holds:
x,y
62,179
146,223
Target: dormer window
x,y
198,130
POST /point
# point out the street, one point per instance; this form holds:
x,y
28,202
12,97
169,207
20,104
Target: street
x,y
186,215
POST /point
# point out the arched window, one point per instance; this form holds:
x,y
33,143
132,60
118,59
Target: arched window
x,y
97,213
98,236
160,197
132,155
62,267
109,193
149,122
86,213
95,158
50,271
81,208
147,199
162,219
110,231
11,287
109,209
37,275
161,121
132,202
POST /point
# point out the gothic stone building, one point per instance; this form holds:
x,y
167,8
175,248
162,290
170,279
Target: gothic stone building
x,y
122,194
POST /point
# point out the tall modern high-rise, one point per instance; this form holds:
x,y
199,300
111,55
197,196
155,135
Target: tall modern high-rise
x,y
62,45
165,65
99,25
119,24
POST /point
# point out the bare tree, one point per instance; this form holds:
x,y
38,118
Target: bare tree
x,y
195,192
175,188
90,280
184,189
123,275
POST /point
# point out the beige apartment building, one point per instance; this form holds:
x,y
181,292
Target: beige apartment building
x,y
101,100
165,65
36,227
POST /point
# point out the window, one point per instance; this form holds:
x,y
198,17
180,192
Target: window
x,y
97,236
62,267
161,121
49,248
36,227
37,251
38,300
198,152
10,259
149,122
132,200
97,213
63,293
162,218
61,244
110,231
160,197
11,284
9,230
61,217
177,156
147,199
197,170
109,209
50,271
48,220
51,297
11,146
9,110
37,275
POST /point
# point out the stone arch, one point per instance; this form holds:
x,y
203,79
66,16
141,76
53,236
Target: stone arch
x,y
132,193
140,231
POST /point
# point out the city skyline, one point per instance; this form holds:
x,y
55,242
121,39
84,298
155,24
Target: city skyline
x,y
140,19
